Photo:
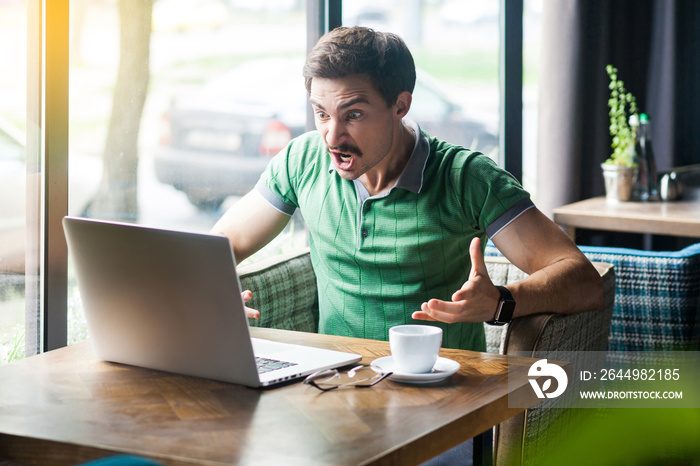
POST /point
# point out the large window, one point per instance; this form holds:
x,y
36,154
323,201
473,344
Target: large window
x,y
532,34
173,109
182,106
14,179
185,115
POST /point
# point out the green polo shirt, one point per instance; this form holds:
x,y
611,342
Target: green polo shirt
x,y
378,258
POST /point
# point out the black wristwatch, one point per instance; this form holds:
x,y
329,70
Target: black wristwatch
x,y
506,306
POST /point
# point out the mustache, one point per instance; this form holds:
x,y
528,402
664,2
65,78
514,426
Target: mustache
x,y
346,149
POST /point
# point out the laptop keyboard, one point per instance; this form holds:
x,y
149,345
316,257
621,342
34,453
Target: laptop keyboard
x,y
267,365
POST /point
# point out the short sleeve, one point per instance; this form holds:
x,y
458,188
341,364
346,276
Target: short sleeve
x,y
280,181
491,196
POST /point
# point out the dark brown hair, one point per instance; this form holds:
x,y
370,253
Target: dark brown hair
x,y
347,51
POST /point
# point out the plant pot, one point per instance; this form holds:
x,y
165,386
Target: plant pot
x,y
619,182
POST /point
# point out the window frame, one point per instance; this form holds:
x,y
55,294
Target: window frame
x,y
47,158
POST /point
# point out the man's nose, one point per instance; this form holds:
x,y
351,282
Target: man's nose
x,y
335,133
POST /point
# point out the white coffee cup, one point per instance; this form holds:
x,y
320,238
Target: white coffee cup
x,y
415,348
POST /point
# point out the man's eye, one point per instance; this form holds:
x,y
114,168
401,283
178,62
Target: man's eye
x,y
321,115
354,115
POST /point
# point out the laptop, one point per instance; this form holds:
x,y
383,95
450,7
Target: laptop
x,y
171,300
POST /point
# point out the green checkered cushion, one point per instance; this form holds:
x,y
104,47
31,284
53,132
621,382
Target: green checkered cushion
x,y
284,291
657,298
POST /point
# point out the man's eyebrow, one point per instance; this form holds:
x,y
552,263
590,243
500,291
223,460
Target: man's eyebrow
x,y
351,102
342,106
316,104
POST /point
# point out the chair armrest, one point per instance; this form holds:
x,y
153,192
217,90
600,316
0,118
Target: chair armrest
x,y
284,291
583,331
585,335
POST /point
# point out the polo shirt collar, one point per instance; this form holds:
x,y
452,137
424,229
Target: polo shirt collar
x,y
411,179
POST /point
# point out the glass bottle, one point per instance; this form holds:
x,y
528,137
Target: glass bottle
x,y
648,183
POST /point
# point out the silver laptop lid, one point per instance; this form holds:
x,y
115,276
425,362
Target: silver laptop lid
x,y
162,299
171,300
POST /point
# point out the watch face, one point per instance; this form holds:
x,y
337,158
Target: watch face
x,y
505,311
506,306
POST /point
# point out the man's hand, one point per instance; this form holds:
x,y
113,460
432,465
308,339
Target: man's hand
x,y
476,301
247,295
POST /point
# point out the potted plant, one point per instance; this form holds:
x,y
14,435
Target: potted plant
x,y
620,169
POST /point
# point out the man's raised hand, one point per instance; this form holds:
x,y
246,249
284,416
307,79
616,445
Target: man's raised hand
x,y
475,301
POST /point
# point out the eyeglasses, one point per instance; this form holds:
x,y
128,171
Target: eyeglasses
x,y
359,377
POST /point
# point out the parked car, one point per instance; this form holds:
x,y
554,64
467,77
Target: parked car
x,y
217,141
84,172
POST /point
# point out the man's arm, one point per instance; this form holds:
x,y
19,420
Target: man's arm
x,y
250,224
561,279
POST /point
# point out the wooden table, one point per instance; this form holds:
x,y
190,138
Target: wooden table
x,y
675,218
64,407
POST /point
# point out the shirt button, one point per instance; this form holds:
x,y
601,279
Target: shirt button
x,y
365,233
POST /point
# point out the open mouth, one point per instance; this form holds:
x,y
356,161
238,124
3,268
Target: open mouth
x,y
343,156
342,160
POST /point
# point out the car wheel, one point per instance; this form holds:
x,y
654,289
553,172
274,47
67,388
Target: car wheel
x,y
204,202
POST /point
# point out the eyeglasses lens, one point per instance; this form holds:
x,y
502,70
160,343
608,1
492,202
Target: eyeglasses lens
x,y
360,376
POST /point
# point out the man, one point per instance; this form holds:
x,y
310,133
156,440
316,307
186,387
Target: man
x,y
398,220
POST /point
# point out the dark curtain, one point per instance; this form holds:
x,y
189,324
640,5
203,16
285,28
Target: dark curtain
x,y
655,44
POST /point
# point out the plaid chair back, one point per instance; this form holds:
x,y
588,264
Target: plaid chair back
x,y
657,298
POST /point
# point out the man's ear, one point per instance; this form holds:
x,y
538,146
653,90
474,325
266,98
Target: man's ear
x,y
403,104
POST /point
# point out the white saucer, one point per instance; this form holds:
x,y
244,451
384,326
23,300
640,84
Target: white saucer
x,y
443,369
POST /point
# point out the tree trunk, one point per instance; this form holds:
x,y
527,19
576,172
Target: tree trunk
x,y
117,196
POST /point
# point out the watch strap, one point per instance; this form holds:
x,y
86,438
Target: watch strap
x,y
506,307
